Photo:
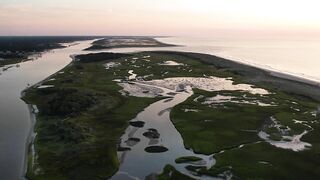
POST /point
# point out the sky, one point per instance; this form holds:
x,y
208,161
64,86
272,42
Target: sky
x,y
158,17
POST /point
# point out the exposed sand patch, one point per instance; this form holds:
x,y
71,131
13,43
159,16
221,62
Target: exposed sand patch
x,y
132,75
218,99
294,142
170,63
45,86
205,83
110,65
139,90
191,110
287,142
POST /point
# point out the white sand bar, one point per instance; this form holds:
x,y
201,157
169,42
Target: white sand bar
x,y
207,84
170,63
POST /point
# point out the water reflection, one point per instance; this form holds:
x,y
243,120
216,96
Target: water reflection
x,y
14,113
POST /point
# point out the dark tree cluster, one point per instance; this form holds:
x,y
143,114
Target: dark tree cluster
x,y
64,102
95,57
21,46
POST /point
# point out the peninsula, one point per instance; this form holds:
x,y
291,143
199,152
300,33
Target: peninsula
x,y
112,115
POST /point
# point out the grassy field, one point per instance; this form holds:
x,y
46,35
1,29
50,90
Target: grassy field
x,y
83,116
227,126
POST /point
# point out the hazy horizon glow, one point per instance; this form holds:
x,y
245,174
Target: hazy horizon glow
x,y
158,17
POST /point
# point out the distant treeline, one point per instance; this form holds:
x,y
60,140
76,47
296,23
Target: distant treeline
x,y
21,46
95,57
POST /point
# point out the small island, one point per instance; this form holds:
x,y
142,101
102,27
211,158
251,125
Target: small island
x,y
126,42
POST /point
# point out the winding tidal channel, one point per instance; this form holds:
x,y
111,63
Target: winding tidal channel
x,y
139,164
153,128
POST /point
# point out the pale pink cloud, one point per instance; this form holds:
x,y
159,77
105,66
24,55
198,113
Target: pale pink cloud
x,y
163,17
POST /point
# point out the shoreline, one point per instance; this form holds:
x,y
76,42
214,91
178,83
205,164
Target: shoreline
x,y
304,78
292,77
30,140
299,85
276,72
33,118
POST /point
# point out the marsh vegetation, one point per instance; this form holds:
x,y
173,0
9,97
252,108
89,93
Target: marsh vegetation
x,y
220,110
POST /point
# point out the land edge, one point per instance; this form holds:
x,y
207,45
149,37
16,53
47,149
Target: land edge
x,y
33,119
17,61
14,61
278,75
274,73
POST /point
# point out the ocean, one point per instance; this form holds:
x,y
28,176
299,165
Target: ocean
x,y
296,56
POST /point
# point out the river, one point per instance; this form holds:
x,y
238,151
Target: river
x,y
14,113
